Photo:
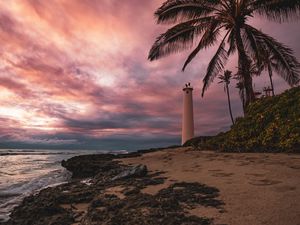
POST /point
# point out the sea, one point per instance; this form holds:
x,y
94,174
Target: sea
x,y
24,172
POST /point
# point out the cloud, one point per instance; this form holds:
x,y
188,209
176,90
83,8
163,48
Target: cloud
x,y
75,74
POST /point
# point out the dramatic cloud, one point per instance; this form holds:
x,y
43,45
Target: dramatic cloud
x,y
74,74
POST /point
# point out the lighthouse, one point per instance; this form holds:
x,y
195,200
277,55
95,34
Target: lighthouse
x,y
187,114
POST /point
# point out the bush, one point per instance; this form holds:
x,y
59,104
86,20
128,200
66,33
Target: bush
x,y
271,124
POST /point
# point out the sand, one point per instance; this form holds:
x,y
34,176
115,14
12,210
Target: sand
x,y
257,188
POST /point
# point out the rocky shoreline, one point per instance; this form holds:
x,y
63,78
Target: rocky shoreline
x,y
105,191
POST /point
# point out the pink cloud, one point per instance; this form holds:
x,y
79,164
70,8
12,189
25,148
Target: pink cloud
x,y
72,69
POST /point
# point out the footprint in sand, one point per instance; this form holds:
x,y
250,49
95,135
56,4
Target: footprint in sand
x,y
188,170
222,174
256,174
167,158
251,159
295,167
285,188
215,170
264,182
197,166
243,163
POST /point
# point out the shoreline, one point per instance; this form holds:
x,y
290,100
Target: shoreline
x,y
177,186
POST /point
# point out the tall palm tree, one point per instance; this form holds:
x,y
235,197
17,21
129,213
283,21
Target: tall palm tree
x,y
240,86
205,21
254,70
269,64
225,79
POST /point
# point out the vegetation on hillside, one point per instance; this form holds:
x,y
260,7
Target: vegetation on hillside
x,y
271,124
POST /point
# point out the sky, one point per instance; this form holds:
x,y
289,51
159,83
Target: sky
x,y
74,74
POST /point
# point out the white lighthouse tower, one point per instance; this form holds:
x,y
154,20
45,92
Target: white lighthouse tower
x,y
188,114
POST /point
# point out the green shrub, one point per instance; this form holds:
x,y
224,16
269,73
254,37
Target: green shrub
x,y
271,124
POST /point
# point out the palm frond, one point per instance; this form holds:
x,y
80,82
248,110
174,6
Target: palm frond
x,y
288,66
173,11
208,39
178,38
267,60
277,10
232,42
215,66
255,46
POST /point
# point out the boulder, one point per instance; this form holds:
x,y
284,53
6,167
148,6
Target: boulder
x,y
135,171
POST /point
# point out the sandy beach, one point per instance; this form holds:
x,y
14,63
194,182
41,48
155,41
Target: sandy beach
x,y
257,188
175,186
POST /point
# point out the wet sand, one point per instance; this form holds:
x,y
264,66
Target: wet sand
x,y
257,188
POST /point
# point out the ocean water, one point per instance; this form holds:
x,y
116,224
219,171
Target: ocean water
x,y
24,172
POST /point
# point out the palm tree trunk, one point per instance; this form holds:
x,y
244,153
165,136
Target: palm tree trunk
x,y
229,104
244,69
243,99
271,80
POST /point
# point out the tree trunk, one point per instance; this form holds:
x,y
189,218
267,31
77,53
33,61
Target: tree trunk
x,y
271,80
244,69
243,101
229,104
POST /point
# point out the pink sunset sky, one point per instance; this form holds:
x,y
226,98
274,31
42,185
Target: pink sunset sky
x,y
75,74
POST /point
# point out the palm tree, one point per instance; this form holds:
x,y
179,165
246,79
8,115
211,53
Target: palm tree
x,y
240,86
204,21
226,80
268,64
254,71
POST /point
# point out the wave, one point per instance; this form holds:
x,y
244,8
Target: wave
x,y
32,171
14,194
57,152
35,153
53,177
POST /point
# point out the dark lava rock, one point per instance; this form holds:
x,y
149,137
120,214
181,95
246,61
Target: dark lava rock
x,y
40,209
136,171
90,165
166,207
90,203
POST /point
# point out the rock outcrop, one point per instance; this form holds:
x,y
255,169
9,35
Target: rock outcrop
x,y
103,191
